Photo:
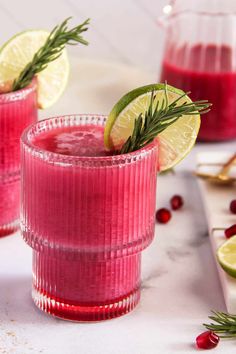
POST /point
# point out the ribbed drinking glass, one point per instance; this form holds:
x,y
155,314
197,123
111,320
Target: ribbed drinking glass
x,y
87,220
17,110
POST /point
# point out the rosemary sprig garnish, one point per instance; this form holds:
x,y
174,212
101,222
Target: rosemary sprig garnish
x,y
51,50
158,117
224,324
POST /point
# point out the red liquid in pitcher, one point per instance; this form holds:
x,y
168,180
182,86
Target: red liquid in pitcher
x,y
208,72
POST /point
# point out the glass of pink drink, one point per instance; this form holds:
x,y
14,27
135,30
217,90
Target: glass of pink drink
x,y
87,215
17,110
200,57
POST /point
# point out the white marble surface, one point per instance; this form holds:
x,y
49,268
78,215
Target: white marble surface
x,y
216,201
180,283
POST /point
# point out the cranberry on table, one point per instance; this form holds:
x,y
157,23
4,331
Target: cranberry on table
x,y
230,231
176,202
207,340
163,215
232,206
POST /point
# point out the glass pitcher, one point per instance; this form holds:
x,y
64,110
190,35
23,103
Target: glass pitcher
x,y
200,56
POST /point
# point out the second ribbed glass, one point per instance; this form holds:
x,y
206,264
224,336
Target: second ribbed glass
x,y
18,109
87,220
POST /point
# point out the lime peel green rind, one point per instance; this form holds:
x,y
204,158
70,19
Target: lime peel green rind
x,y
52,80
175,142
126,100
227,267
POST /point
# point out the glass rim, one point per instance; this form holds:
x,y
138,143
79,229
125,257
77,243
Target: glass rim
x,y
17,95
68,159
216,14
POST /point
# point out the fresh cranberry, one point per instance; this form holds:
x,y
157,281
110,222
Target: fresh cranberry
x,y
163,215
232,206
176,202
207,340
231,231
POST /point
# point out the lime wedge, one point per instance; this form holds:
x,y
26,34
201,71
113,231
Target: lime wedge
x,y
226,255
19,51
175,142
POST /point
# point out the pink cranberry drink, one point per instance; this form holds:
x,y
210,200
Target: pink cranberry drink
x,y
87,215
17,110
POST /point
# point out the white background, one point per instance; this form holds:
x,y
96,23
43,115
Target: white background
x,y
121,30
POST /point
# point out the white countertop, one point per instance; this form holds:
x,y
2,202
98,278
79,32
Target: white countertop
x,y
180,282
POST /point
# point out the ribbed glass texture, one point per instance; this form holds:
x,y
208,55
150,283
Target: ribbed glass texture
x,y
87,220
17,110
200,57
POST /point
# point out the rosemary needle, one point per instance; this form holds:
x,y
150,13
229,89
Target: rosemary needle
x,y
159,116
224,324
51,50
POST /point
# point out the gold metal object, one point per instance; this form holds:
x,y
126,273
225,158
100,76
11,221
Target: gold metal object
x,y
222,177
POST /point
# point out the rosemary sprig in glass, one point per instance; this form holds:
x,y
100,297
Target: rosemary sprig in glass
x,y
223,324
51,50
158,117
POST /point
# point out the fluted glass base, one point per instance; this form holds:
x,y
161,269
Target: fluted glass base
x,y
8,229
83,313
9,205
85,290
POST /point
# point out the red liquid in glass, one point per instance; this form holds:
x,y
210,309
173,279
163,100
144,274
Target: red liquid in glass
x,y
105,213
206,71
17,110
87,140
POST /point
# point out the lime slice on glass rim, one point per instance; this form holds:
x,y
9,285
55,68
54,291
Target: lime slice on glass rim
x,y
175,142
226,255
19,51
